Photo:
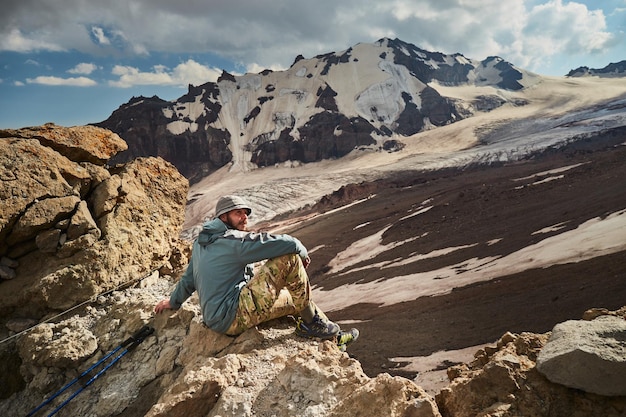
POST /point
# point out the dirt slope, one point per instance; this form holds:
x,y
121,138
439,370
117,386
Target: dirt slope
x,y
484,213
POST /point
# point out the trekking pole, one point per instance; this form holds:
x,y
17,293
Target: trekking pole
x,y
131,342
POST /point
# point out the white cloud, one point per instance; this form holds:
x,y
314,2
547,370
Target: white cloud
x,y
99,35
58,81
554,29
129,76
15,41
255,68
585,29
272,34
189,72
83,68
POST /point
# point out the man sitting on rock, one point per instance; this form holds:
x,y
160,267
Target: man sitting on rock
x,y
233,297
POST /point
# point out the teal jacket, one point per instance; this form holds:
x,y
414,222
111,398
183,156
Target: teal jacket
x,y
221,264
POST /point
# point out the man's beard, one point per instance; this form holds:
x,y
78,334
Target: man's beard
x,y
243,225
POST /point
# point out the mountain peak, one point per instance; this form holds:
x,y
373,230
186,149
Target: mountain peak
x,y
320,108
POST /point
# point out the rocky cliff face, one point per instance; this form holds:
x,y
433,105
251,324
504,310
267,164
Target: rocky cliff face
x,y
367,97
72,228
77,232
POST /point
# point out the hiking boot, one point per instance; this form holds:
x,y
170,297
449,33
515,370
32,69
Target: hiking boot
x,y
317,329
345,338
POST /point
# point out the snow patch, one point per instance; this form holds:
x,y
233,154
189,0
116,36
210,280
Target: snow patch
x,y
251,82
596,237
187,114
550,229
179,127
168,113
549,172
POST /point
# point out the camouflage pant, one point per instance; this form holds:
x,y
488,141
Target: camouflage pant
x,y
279,288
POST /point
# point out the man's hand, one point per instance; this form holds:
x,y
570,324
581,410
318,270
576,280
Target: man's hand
x,y
162,305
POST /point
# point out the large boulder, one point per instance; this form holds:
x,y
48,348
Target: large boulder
x,y
587,355
72,227
503,381
78,143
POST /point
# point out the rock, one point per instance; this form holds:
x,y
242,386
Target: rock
x,y
587,355
18,325
11,263
105,196
270,371
6,272
503,381
7,268
48,240
202,341
78,143
593,313
42,214
76,228
82,223
60,346
185,369
71,247
198,392
385,395
30,172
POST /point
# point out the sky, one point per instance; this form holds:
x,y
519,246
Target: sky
x,y
74,62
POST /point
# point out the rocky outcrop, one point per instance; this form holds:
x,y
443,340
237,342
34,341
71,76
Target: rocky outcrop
x,y
504,380
185,369
195,152
78,144
71,227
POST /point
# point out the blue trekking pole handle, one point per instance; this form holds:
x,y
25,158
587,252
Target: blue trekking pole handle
x,y
133,341
138,337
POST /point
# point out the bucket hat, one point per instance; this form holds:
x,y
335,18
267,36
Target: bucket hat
x,y
231,202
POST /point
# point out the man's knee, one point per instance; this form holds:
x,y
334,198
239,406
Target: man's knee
x,y
286,269
289,260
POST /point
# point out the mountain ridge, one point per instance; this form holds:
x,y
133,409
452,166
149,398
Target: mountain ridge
x,y
614,69
319,108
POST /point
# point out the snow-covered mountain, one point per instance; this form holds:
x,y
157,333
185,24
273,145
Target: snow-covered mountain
x,y
369,96
359,115
616,69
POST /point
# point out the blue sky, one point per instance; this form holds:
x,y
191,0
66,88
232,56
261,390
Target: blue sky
x,y
74,62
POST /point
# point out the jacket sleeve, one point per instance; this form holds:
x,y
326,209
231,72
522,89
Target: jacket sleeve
x,y
184,288
256,247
